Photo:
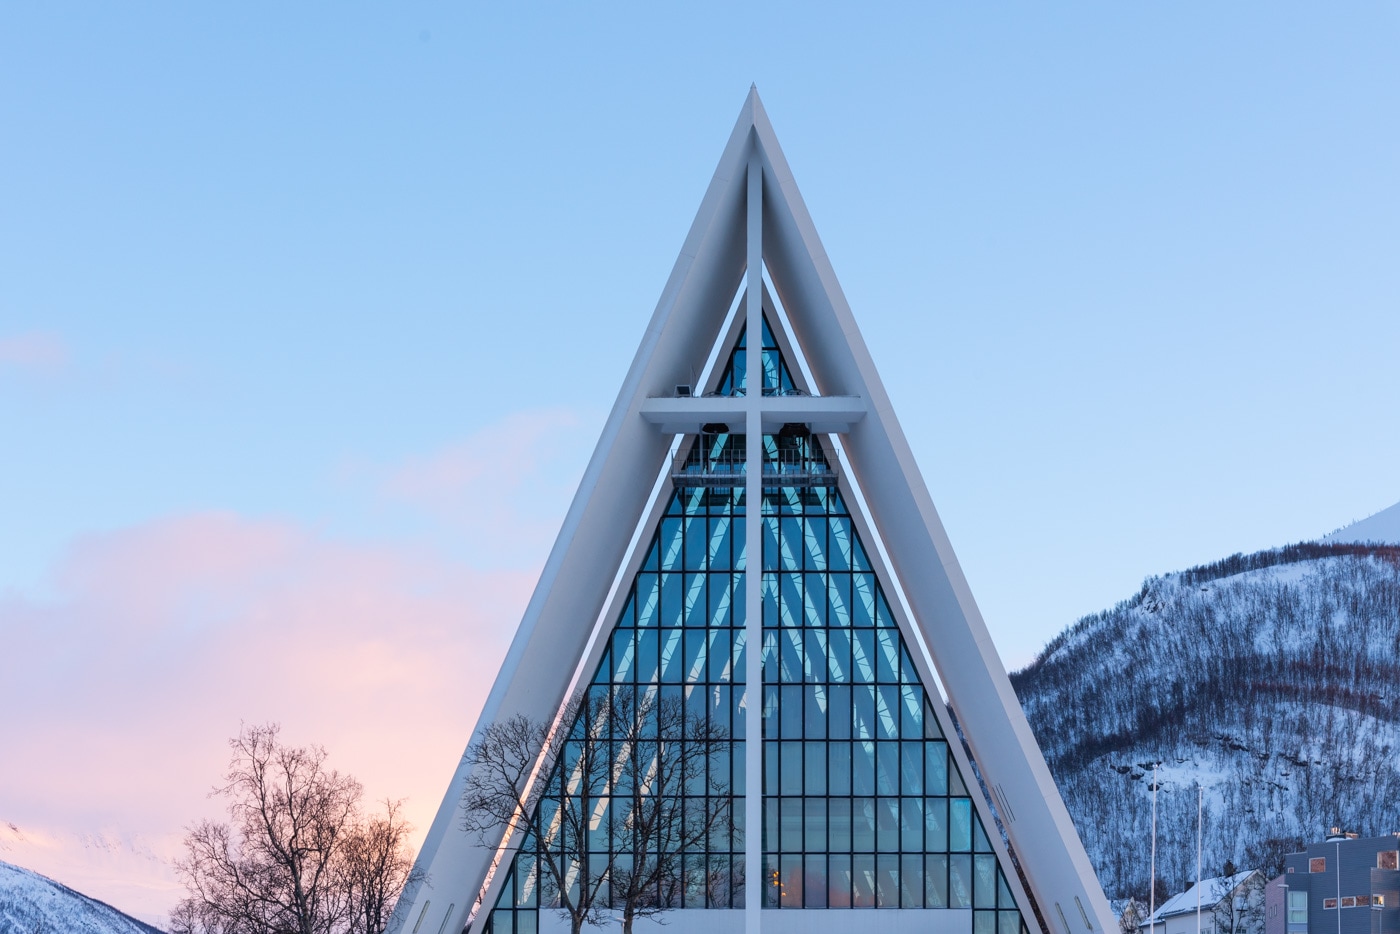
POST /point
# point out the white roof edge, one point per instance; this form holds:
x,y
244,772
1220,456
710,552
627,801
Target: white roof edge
x,y
447,852
1053,857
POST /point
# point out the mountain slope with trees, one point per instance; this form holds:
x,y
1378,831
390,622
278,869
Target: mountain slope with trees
x,y
1270,680
36,904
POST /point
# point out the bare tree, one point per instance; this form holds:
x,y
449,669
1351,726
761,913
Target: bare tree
x,y
601,810
296,855
376,863
673,804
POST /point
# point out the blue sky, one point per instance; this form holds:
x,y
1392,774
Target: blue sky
x,y
1128,270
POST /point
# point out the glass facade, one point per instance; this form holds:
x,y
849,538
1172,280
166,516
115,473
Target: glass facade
x,y
863,805
679,641
777,378
863,802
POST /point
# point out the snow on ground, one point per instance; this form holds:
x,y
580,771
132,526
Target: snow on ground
x,y
1384,527
31,902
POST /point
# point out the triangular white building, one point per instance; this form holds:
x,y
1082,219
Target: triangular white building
x,y
849,786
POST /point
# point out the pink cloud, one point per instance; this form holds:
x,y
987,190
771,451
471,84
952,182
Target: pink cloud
x,y
120,693
36,350
513,478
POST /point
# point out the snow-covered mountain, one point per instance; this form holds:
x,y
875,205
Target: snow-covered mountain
x,y
1271,680
1383,528
34,904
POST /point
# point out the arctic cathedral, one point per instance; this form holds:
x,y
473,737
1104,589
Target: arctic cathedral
x,y
828,776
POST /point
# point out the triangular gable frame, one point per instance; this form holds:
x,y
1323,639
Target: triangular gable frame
x,y
726,241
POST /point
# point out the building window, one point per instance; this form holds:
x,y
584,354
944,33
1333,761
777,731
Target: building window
x,y
1297,910
1388,859
1363,901
1349,901
1377,902
1318,864
1329,903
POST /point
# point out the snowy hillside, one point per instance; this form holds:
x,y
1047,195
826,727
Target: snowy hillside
x,y
1272,680
1384,526
33,904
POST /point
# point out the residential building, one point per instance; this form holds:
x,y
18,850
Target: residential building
x,y
1232,904
1343,885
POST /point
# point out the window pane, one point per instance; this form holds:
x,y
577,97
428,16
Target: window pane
x,y
838,600
839,716
719,541
911,768
696,644
814,782
838,653
839,824
887,768
936,881
791,702
814,613
887,818
839,550
886,710
672,657
815,727
959,824
887,656
814,825
863,656
696,603
671,598
814,668
814,886
790,810
772,881
960,881
936,825
647,655
790,655
863,768
770,825
838,772
984,889
790,781
839,880
980,843
911,881
935,768
887,881
863,881
863,825
791,884
911,825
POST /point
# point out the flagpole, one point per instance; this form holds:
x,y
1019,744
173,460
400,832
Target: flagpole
x,y
1199,792
1152,881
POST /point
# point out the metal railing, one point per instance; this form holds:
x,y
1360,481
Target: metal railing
x,y
790,468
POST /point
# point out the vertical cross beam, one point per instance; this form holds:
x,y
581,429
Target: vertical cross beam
x,y
753,574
